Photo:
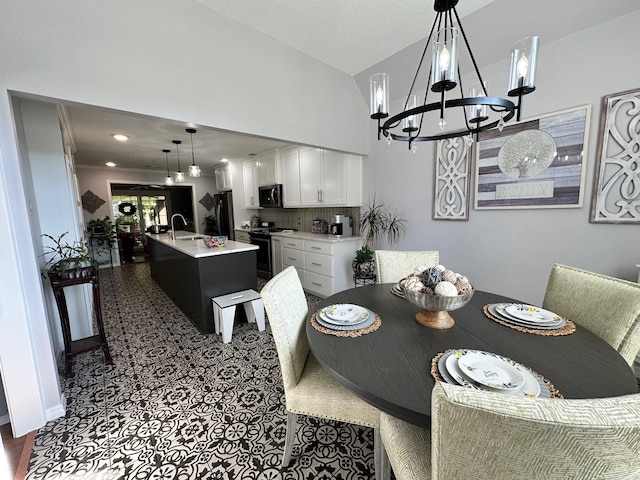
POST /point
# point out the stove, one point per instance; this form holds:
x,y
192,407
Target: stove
x,y
264,256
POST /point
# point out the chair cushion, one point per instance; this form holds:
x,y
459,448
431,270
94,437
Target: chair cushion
x,y
607,306
408,448
320,395
485,435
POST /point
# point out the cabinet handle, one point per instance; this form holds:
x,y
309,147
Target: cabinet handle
x,y
291,244
291,258
316,264
316,248
316,283
321,196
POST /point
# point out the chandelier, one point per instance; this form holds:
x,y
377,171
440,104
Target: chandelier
x,y
476,112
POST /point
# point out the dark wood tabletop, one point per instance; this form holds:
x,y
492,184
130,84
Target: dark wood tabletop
x,y
390,367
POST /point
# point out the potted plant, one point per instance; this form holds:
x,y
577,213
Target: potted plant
x,y
64,259
376,221
103,228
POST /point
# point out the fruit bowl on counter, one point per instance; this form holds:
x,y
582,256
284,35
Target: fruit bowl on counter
x,y
218,241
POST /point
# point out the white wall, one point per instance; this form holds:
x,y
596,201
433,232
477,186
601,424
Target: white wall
x,y
512,251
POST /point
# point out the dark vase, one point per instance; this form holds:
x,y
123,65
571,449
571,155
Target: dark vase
x,y
363,268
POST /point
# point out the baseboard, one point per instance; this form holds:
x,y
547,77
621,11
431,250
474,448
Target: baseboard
x,y
57,411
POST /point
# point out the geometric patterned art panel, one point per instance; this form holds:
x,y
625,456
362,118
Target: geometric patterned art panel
x,y
616,192
451,192
91,202
207,201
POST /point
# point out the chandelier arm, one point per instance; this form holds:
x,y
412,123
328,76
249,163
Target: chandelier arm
x,y
506,105
473,59
424,52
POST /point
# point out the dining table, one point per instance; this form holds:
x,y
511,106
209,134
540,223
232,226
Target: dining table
x,y
390,368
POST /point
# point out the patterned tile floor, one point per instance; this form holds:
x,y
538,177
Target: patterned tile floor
x,y
177,404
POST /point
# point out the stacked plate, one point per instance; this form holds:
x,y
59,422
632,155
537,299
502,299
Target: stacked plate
x,y
489,371
345,316
397,290
527,316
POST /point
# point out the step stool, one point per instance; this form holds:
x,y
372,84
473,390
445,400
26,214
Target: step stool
x,y
224,311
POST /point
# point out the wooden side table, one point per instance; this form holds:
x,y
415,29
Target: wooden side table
x,y
75,347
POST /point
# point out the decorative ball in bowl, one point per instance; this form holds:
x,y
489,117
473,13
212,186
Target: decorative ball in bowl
x,y
436,297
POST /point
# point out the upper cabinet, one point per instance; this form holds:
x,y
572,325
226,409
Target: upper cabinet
x,y
268,169
249,177
311,177
223,178
289,158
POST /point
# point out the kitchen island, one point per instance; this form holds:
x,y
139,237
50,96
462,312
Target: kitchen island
x,y
191,274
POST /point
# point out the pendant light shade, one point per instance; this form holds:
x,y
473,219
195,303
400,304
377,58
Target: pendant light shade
x,y
168,180
179,174
194,170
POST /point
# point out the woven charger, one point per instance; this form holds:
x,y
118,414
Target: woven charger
x,y
435,373
568,329
347,333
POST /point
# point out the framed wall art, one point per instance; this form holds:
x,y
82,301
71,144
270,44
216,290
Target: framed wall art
x,y
536,163
452,180
616,190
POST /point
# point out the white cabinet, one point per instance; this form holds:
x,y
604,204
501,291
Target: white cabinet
x,y
313,177
323,179
223,178
251,199
290,177
268,169
324,267
242,236
276,255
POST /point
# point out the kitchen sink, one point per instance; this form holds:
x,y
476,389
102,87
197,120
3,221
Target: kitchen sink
x,y
191,237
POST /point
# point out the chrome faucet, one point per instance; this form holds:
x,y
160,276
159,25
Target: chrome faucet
x,y
173,229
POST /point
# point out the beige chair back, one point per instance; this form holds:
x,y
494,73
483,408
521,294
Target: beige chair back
x,y
485,435
287,309
607,306
392,266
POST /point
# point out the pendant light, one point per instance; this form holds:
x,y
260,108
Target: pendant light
x,y
168,180
179,174
194,170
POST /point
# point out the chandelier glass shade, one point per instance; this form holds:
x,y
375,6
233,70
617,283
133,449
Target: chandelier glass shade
x,y
194,170
179,174
168,180
469,111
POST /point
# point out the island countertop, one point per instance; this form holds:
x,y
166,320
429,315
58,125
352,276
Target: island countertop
x,y
196,248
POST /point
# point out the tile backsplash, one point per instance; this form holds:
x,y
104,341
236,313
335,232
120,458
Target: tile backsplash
x,y
302,218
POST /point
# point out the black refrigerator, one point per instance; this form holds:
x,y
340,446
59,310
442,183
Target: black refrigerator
x,y
224,214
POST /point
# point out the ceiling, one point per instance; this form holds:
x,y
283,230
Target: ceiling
x,y
373,30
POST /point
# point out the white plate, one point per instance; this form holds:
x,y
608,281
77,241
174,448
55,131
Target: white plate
x,y
531,313
331,321
490,370
345,313
497,309
450,372
322,320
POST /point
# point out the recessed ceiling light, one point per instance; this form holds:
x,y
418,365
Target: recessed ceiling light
x,y
120,137
224,160
110,164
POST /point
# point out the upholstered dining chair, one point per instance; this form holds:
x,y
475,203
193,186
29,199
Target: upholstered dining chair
x,y
308,388
607,306
392,266
487,436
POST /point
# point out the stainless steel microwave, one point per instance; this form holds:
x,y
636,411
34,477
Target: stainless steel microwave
x,y
270,196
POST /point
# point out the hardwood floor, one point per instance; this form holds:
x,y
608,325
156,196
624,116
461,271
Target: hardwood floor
x,y
17,450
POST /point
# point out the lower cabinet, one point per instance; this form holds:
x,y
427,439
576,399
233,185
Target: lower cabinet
x,y
242,236
324,268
